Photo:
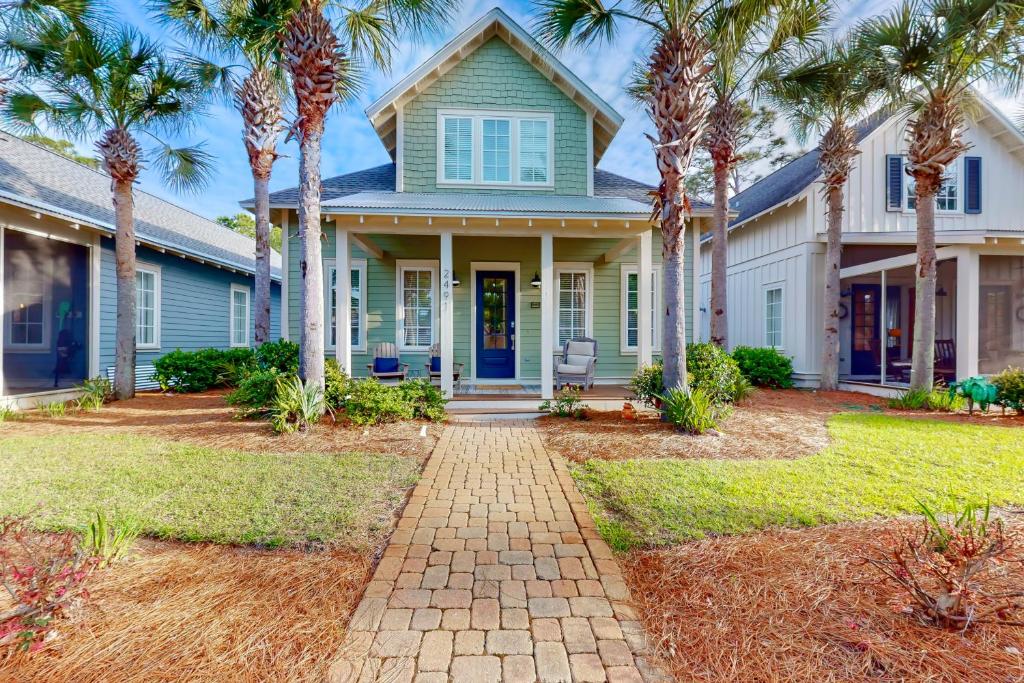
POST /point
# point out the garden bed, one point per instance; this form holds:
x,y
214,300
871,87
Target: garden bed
x,y
787,605
203,613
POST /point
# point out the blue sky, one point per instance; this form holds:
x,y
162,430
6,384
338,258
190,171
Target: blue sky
x,y
350,143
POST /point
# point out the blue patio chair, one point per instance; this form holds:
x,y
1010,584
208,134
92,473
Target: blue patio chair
x,y
387,365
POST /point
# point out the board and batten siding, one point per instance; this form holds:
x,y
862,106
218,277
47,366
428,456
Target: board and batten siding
x,y
194,305
524,251
494,77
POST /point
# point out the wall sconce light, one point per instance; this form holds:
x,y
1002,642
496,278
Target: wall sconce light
x,y
455,280
941,291
535,282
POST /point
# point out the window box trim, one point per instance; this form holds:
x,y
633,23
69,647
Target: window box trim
x,y
627,269
232,290
574,267
141,266
402,265
765,288
354,264
478,116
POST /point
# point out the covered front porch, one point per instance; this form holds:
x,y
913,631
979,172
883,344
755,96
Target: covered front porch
x,y
979,316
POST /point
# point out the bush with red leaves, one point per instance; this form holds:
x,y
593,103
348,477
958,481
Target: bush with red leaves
x,y
42,575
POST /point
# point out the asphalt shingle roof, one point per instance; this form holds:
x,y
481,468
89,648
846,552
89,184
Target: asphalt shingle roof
x,y
790,180
36,176
382,179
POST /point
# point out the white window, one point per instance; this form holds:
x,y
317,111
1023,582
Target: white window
x,y
948,196
490,148
497,150
358,305
631,311
458,149
417,304
239,316
573,293
147,305
534,161
773,317
28,302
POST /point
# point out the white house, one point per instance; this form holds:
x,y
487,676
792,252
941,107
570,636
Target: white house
x,y
777,259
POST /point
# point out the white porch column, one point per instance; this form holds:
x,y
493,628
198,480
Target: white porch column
x,y
96,275
447,317
968,283
883,325
284,274
547,315
343,300
645,342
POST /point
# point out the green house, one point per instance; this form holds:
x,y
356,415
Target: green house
x,y
492,238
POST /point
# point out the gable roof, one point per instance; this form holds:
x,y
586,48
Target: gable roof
x,y
381,179
383,112
37,178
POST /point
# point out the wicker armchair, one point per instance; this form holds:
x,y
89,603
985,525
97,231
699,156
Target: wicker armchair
x,y
434,369
387,352
579,357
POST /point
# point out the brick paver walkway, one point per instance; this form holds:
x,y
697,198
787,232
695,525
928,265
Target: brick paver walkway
x,y
495,573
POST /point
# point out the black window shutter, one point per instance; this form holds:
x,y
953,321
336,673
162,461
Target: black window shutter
x,y
972,184
893,182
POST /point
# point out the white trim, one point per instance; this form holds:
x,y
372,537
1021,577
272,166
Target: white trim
x,y
236,288
358,264
45,271
590,154
548,336
477,117
447,327
285,304
497,266
400,149
402,265
695,284
766,287
968,312
586,267
141,266
959,180
626,269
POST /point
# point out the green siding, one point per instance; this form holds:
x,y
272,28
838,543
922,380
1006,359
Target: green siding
x,y
381,281
494,76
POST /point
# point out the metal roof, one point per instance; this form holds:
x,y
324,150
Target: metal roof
x,y
455,203
38,178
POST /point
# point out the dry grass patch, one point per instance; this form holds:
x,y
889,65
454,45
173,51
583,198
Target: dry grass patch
x,y
801,606
203,613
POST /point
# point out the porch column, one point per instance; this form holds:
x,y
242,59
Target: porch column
x,y
447,317
547,315
343,298
645,342
968,283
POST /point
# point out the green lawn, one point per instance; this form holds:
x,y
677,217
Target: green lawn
x,y
877,466
191,493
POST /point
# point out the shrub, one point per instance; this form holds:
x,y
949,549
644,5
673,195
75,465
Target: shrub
x,y
234,366
742,389
764,367
925,399
336,385
95,392
282,355
109,541
371,402
257,392
188,371
711,370
9,413
55,409
297,405
694,412
427,401
952,570
1010,388
647,384
568,404
43,575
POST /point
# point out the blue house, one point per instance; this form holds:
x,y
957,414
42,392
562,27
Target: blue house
x,y
58,282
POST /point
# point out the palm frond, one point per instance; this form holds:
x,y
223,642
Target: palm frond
x,y
371,35
184,169
581,22
419,17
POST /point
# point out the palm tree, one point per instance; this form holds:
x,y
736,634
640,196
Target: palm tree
x,y
323,70
828,93
118,85
932,53
745,40
248,29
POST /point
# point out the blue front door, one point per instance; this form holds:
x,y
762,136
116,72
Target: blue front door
x,y
495,325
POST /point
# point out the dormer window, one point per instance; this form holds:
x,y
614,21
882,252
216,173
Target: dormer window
x,y
495,149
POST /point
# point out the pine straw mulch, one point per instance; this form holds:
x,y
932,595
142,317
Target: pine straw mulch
x,y
799,605
206,419
177,612
770,424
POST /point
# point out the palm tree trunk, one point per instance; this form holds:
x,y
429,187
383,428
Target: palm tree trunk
x,y
674,333
124,254
261,185
833,255
720,257
923,360
311,352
